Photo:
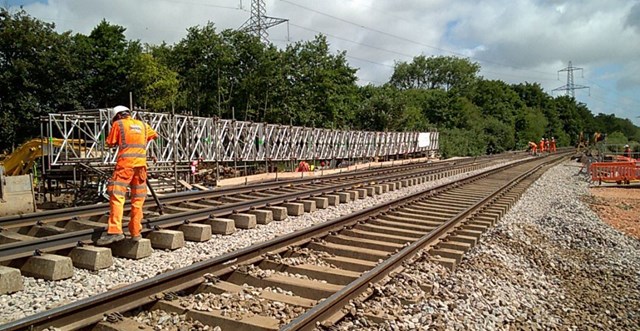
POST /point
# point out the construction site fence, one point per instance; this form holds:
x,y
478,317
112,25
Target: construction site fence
x,y
185,138
615,172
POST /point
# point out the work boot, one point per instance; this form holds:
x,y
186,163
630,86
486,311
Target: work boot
x,y
107,239
136,238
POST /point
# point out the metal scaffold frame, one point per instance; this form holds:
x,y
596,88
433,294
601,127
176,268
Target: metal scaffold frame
x,y
186,138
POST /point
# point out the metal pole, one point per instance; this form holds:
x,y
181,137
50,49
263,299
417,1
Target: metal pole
x,y
131,101
175,148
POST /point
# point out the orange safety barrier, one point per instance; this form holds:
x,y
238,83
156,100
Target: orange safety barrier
x,y
615,172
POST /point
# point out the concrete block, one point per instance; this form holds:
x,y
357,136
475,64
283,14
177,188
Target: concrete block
x,y
362,193
370,191
378,189
166,239
10,280
76,225
221,225
196,232
391,186
333,199
244,221
49,267
45,230
404,183
91,257
262,216
385,188
353,195
279,213
131,249
294,208
309,205
7,237
321,202
344,197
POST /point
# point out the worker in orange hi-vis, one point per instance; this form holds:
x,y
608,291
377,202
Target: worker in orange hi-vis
x,y
552,145
627,151
547,144
541,146
131,137
532,148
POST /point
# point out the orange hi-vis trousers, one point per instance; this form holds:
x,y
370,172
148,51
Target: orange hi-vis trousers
x,y
123,178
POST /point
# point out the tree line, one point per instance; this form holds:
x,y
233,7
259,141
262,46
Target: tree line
x,y
229,73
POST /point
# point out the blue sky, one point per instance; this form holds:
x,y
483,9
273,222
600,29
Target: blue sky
x,y
514,40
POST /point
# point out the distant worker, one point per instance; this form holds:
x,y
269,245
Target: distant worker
x,y
547,145
541,146
533,148
303,166
552,145
627,151
131,136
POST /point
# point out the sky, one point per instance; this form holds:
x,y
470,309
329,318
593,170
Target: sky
x,y
515,41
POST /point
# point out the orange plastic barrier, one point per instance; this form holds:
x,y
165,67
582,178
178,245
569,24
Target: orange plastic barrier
x,y
615,172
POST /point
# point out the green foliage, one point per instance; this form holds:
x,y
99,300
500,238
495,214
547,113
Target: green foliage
x,y
617,138
36,75
157,85
461,142
436,72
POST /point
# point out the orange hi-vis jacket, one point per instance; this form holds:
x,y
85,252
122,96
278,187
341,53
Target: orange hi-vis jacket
x,y
541,145
131,136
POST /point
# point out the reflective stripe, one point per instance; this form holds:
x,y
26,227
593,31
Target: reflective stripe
x,y
132,155
139,187
134,146
117,193
139,195
123,142
121,184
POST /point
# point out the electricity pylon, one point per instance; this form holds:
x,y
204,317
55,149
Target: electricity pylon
x,y
259,22
570,87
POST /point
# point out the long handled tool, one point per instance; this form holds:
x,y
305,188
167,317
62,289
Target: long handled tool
x,y
155,197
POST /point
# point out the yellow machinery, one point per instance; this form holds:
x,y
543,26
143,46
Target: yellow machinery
x,y
22,159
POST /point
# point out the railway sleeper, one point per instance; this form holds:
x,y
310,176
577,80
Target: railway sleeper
x,y
424,214
408,223
366,254
387,238
227,287
306,288
216,317
343,239
368,227
399,225
124,324
351,264
331,275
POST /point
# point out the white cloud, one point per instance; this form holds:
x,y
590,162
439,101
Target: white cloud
x,y
516,41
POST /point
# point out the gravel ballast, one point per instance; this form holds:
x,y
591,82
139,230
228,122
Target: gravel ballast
x,y
39,295
550,263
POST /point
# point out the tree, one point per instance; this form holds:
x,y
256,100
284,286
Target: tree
x,y
443,72
36,75
156,85
106,61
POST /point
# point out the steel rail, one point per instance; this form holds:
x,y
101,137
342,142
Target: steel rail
x,y
91,310
22,249
91,210
335,303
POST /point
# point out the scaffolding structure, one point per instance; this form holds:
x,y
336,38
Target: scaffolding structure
x,y
183,139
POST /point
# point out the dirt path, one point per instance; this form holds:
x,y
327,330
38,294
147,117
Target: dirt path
x,y
618,207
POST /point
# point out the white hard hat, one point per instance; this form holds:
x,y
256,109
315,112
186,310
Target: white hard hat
x,y
626,146
117,110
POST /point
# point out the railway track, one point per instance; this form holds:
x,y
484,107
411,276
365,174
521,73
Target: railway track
x,y
304,280
62,230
